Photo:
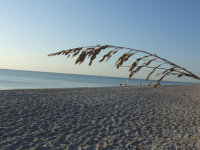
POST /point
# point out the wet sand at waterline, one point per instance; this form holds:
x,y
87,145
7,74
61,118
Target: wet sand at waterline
x,y
101,118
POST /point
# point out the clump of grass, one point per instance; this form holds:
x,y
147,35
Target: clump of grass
x,y
165,67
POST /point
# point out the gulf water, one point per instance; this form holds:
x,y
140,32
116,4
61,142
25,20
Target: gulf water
x,y
18,79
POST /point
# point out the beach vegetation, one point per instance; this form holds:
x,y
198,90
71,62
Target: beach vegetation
x,y
155,63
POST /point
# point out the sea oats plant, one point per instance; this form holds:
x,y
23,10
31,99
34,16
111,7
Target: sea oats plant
x,y
146,60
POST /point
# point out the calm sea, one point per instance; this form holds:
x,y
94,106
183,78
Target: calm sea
x,y
17,79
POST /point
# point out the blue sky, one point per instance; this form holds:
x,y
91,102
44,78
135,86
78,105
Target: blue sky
x,y
31,29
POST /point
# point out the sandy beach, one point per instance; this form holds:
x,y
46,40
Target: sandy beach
x,y
101,118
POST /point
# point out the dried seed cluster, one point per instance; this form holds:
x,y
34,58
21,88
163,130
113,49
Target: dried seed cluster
x,y
92,51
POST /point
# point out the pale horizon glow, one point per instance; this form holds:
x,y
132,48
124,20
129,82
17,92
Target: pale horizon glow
x,y
30,30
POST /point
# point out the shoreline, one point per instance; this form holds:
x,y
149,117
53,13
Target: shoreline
x,y
74,88
131,117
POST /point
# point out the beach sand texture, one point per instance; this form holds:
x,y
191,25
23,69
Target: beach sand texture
x,y
101,118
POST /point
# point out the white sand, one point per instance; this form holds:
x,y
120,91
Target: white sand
x,y
101,118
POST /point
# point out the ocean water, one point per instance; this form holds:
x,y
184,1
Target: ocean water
x,y
17,79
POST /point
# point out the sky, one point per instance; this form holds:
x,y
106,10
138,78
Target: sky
x,y
31,29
